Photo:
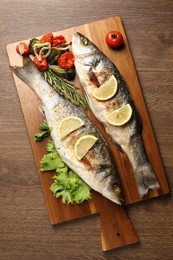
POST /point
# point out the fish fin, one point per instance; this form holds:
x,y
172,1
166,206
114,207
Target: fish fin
x,y
41,109
146,179
118,146
93,78
136,116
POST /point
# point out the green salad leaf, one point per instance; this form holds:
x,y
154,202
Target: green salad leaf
x,y
82,193
51,161
67,184
50,147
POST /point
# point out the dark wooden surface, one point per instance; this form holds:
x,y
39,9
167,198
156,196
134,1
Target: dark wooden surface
x,y
113,219
25,230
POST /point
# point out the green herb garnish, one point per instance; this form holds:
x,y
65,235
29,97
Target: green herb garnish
x,y
65,88
45,132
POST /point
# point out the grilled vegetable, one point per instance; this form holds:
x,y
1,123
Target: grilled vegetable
x,y
41,65
66,60
22,48
47,38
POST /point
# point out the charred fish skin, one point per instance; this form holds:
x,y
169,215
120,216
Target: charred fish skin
x,y
97,167
93,69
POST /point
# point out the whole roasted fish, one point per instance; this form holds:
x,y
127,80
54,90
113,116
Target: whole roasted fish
x,y
96,168
94,69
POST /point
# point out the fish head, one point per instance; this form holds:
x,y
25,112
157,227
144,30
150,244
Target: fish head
x,y
81,45
91,64
85,52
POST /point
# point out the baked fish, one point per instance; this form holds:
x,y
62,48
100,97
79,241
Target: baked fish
x,y
96,168
94,69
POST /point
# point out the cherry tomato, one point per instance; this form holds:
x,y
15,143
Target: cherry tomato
x,y
47,38
41,65
57,40
22,48
114,39
66,60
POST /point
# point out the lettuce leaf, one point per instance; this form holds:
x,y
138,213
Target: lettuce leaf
x,y
50,147
51,161
82,193
67,184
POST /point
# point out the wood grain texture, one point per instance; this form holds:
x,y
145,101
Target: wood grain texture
x,y
25,231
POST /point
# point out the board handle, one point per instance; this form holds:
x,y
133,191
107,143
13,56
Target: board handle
x,y
116,227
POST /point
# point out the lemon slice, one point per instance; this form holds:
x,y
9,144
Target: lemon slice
x,y
120,116
83,145
106,90
68,125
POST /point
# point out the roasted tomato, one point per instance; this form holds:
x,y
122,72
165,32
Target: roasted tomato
x,y
22,48
114,39
66,60
47,38
41,65
57,40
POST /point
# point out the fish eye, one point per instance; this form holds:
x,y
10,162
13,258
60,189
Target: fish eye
x,y
84,41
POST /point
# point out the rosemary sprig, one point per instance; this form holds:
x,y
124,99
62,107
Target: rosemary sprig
x,y
65,88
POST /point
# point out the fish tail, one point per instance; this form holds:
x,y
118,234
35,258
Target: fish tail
x,y
26,72
146,179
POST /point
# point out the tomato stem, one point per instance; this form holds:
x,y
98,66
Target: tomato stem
x,y
114,35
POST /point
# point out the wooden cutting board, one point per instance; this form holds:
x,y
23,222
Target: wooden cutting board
x,y
116,228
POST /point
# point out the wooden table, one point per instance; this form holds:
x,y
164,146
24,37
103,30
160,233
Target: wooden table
x,y
25,230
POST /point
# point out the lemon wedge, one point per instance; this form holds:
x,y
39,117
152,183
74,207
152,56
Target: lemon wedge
x,y
106,90
68,125
83,145
120,116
